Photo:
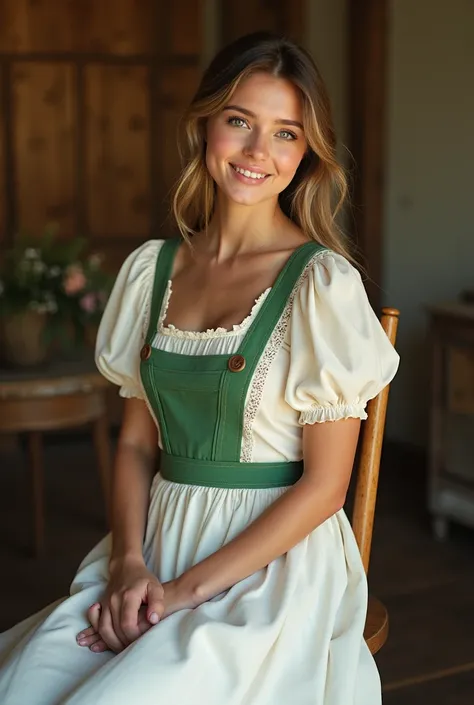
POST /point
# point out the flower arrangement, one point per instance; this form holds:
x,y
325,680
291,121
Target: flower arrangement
x,y
58,281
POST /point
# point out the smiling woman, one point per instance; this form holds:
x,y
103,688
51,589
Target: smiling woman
x,y
256,149
247,352
260,92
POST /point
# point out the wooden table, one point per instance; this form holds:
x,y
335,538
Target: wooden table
x,y
59,396
451,456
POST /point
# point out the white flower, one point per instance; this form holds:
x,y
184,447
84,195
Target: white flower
x,y
39,267
32,253
95,261
54,271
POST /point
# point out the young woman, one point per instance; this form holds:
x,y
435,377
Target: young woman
x,y
246,351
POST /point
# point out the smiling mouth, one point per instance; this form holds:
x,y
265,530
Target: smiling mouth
x,y
250,174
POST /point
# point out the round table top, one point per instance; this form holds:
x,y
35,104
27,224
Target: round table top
x,y
57,378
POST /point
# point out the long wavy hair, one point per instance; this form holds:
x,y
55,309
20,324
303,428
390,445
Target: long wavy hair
x,y
319,187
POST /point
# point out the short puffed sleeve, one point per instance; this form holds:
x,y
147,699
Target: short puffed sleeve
x,y
123,326
340,356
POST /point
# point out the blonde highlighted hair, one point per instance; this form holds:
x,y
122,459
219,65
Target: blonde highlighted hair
x,y
319,187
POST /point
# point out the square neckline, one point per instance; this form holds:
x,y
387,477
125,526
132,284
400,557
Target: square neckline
x,y
171,330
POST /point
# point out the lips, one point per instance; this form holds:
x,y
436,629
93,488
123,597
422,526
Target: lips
x,y
249,173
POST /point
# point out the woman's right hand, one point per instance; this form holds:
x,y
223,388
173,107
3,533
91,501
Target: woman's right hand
x,y
132,604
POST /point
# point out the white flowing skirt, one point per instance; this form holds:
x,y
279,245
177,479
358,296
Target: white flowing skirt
x,y
291,634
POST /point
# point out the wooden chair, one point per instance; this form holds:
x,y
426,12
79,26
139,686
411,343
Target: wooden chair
x,y
376,627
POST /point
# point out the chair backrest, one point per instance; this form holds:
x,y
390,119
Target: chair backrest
x,y
370,452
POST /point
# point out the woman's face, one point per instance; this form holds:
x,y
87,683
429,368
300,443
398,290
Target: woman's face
x,y
256,143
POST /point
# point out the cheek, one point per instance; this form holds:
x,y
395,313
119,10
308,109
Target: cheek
x,y
289,159
222,143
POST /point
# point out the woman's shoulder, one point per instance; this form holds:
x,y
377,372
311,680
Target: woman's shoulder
x,y
123,323
328,268
141,262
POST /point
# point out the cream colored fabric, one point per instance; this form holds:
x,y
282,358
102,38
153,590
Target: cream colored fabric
x,y
290,633
334,356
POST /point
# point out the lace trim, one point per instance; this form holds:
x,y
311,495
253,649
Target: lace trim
x,y
237,329
271,349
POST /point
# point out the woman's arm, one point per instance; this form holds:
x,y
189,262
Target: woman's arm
x,y
133,473
118,619
329,450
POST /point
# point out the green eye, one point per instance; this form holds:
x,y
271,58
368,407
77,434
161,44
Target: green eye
x,y
287,135
237,122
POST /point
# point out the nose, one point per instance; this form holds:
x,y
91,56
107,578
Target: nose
x,y
257,146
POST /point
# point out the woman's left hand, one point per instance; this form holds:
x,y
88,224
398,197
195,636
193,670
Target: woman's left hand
x,y
175,599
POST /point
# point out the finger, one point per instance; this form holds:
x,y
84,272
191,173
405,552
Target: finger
x,y
143,622
93,615
89,640
156,605
99,647
131,604
116,601
107,631
86,633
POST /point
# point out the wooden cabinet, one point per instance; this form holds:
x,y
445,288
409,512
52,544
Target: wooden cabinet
x,y
451,466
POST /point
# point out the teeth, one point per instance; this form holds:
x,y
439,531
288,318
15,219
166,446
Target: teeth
x,y
249,174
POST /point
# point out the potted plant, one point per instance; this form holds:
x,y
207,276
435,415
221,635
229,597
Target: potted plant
x,y
52,294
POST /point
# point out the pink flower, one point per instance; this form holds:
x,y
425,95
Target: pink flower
x,y
88,303
74,280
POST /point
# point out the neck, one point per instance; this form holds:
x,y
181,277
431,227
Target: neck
x,y
236,229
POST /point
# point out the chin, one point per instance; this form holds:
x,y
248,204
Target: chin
x,y
248,200
247,196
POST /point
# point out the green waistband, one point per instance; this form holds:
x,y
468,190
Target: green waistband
x,y
216,473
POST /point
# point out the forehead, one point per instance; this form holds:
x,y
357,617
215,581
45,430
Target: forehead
x,y
265,94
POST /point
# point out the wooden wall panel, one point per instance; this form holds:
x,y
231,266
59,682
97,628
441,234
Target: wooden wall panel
x,y
42,25
117,27
369,32
177,89
249,16
102,26
3,205
280,16
117,150
184,17
97,88
44,113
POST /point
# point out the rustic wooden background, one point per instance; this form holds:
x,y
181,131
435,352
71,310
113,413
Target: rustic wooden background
x,y
91,93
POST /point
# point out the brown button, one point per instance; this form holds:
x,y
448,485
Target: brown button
x,y
145,352
236,363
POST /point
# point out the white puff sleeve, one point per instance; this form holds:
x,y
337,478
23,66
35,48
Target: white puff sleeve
x,y
123,326
340,356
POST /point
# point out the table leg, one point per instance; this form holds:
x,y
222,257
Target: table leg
x,y
37,481
102,448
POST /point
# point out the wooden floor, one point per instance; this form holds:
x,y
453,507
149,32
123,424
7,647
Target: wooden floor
x,y
428,587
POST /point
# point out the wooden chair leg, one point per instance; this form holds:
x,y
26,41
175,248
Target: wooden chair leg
x,y
102,448
35,448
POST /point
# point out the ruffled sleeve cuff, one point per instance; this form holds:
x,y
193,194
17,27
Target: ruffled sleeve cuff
x,y
129,392
321,414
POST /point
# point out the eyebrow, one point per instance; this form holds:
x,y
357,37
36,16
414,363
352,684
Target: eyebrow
x,y
279,121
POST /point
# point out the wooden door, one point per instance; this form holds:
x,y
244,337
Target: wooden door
x,y
90,94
